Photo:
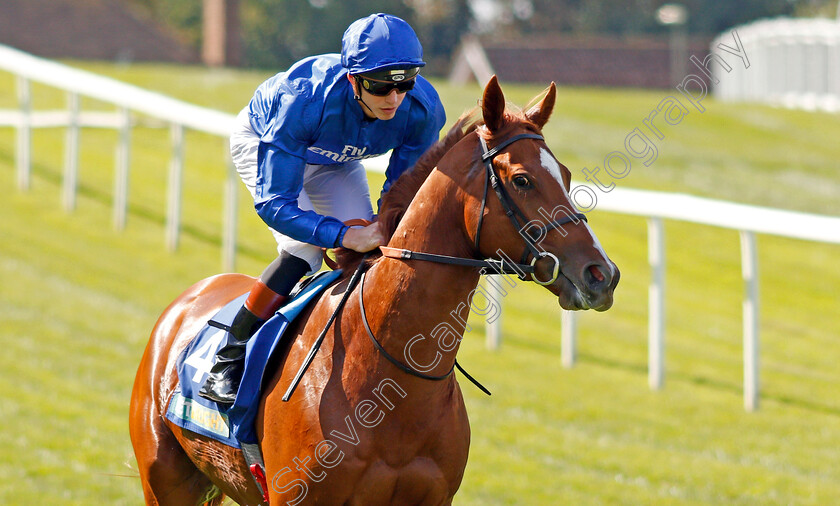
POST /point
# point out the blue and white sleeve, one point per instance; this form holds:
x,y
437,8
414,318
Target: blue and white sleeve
x,y
279,183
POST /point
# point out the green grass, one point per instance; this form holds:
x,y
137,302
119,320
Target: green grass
x,y
77,301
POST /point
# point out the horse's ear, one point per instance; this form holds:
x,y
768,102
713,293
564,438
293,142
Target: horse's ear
x,y
493,105
540,113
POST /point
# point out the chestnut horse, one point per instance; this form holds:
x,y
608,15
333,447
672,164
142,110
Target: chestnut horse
x,y
361,429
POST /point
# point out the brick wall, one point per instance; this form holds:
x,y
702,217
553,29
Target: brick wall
x,y
588,61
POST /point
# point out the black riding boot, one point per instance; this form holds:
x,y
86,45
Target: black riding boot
x,y
223,382
267,295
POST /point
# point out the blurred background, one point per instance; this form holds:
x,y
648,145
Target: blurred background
x,y
712,132
276,33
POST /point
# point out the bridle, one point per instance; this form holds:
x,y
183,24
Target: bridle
x,y
517,218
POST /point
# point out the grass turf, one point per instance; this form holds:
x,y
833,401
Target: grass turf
x,y
77,301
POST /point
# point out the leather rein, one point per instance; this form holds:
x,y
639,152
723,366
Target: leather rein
x,y
517,218
497,266
358,279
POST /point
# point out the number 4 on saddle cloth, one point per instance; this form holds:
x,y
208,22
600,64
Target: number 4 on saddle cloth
x,y
233,424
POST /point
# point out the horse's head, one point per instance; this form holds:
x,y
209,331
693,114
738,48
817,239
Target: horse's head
x,y
530,217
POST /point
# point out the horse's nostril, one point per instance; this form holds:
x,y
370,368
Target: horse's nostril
x,y
597,276
596,273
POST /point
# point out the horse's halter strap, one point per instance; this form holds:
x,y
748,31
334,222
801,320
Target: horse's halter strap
x,y
358,279
517,218
512,211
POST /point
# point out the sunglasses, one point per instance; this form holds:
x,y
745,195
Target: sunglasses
x,y
383,88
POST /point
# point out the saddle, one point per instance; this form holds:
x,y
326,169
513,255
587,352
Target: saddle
x,y
233,424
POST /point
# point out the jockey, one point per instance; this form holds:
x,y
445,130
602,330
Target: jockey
x,y
298,147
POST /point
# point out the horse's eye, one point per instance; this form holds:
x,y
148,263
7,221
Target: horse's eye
x,y
521,181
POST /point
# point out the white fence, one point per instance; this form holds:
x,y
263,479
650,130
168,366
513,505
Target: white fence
x,y
793,63
749,220
128,99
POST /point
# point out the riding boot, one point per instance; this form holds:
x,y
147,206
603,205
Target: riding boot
x,y
223,382
268,294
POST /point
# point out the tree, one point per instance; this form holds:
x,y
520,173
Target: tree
x,y
276,33
279,32
439,25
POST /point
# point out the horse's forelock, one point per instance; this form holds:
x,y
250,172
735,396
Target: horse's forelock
x,y
513,117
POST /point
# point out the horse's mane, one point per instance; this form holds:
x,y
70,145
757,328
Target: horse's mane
x,y
400,195
402,192
396,201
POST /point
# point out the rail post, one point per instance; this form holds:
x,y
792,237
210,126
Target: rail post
x,y
656,302
24,134
493,328
749,269
71,153
176,179
230,217
568,338
123,158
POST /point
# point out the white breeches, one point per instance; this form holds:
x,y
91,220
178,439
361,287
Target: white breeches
x,y
340,190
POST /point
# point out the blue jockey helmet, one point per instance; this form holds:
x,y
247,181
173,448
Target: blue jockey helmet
x,y
380,42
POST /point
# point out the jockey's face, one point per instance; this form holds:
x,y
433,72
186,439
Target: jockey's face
x,y
378,107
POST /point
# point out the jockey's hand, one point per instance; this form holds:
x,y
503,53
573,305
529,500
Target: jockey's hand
x,y
363,239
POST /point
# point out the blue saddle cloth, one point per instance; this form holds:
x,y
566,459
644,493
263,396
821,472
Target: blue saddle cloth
x,y
233,424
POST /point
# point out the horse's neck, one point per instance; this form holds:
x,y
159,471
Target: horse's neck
x,y
411,298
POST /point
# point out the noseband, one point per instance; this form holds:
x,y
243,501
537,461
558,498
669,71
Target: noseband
x,y
517,218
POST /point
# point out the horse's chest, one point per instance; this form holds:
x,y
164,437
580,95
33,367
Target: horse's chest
x,y
420,481
425,467
392,463
385,448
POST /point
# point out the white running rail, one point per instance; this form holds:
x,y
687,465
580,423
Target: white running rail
x,y
656,206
